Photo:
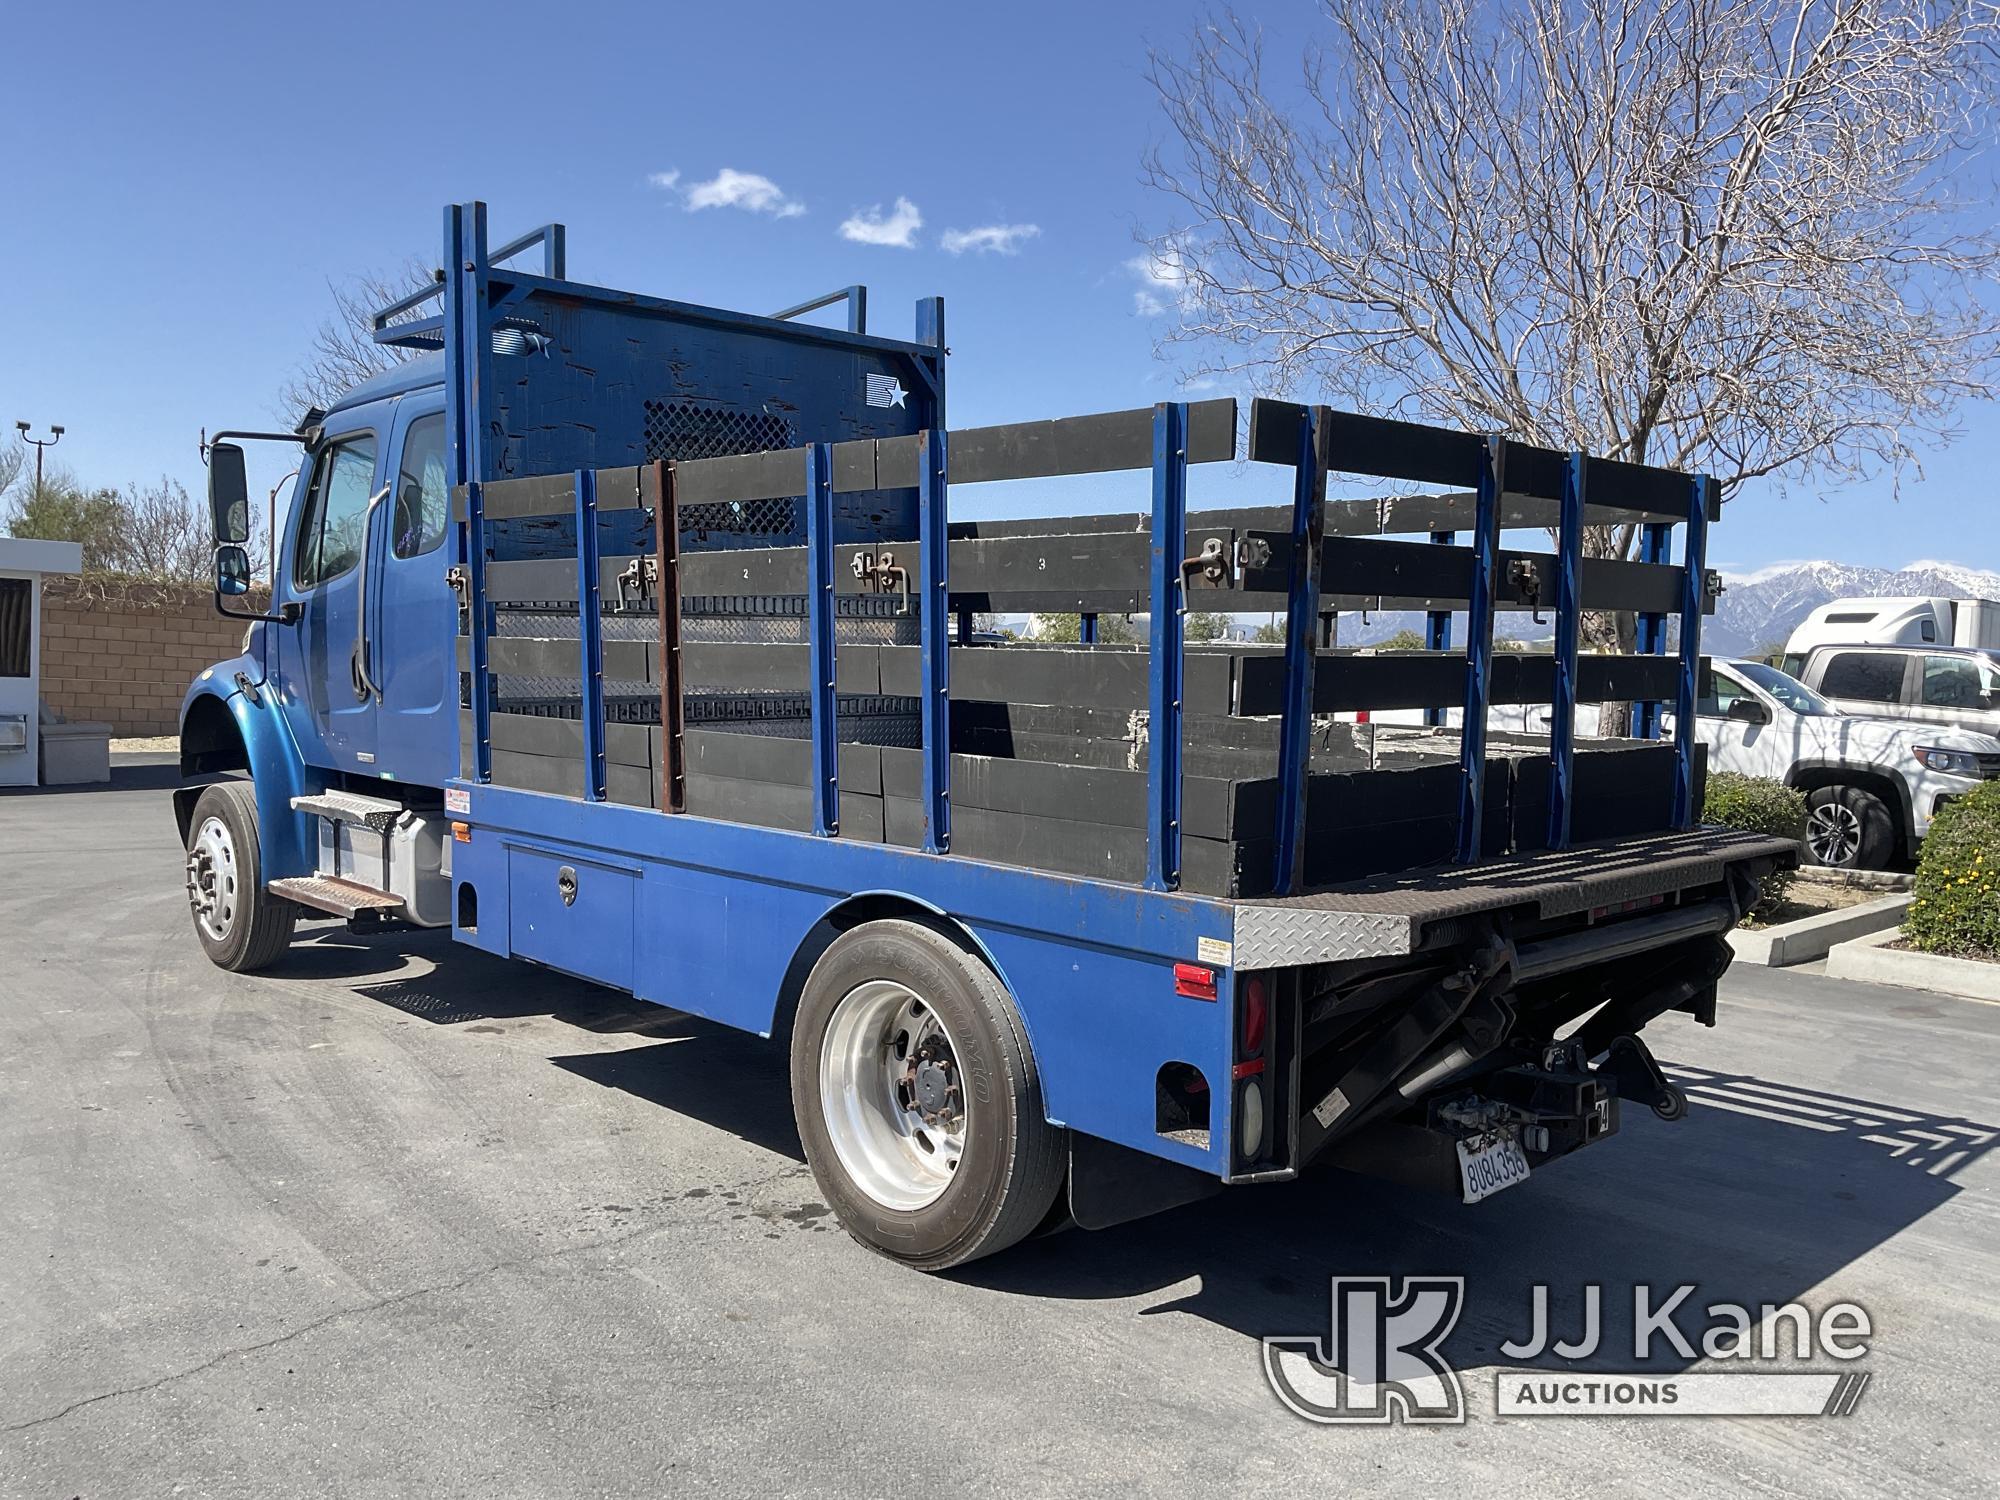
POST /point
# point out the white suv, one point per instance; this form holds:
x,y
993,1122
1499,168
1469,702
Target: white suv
x,y
1872,785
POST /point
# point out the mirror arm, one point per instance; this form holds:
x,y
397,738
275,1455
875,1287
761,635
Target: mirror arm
x,y
255,437
287,613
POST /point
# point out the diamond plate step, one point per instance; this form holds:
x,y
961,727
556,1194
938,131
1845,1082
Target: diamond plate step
x,y
378,814
342,898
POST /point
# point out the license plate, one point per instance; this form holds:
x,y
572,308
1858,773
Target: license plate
x,y
1490,1164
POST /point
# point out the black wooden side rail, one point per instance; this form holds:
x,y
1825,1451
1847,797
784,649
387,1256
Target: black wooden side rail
x,y
1317,556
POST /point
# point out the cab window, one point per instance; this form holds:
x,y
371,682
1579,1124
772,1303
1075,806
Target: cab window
x,y
1871,677
332,529
420,488
1722,692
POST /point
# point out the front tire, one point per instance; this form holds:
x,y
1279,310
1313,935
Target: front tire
x,y
1849,829
918,1101
241,927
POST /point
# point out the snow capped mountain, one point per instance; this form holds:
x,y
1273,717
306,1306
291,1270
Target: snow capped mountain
x,y
1756,608
1764,606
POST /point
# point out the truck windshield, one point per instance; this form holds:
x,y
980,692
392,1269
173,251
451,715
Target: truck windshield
x,y
1789,691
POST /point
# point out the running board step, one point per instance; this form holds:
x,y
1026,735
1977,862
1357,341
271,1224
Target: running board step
x,y
342,898
378,814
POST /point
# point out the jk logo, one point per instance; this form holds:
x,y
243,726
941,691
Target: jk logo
x,y
1380,1360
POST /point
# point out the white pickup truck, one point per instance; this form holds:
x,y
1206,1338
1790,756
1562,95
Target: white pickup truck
x,y
1872,785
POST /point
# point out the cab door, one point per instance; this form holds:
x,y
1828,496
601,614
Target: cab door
x,y
413,613
331,708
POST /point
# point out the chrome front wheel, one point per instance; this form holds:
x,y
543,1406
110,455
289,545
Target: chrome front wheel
x,y
214,879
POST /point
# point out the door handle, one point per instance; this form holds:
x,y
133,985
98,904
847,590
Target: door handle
x,y
364,681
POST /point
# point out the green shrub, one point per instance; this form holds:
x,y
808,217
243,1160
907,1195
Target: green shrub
x,y
1757,804
1957,905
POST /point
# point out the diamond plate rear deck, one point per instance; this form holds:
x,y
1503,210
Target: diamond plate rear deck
x,y
1386,917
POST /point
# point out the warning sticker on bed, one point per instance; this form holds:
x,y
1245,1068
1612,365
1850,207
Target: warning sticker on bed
x,y
1215,951
457,800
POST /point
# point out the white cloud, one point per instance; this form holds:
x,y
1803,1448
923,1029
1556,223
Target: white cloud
x,y
664,181
999,239
870,226
749,191
1163,272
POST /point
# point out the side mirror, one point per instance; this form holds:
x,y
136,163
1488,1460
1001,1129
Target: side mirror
x,y
232,569
1749,711
228,494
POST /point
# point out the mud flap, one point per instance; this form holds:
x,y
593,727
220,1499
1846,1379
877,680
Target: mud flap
x,y
1112,1184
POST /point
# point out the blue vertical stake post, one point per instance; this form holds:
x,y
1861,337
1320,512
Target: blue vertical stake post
x,y
1694,567
1301,661
934,634
1166,668
822,702
463,323
1086,629
590,635
1437,628
1479,649
1655,540
1569,606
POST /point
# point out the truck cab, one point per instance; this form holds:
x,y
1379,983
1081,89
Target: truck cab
x,y
362,557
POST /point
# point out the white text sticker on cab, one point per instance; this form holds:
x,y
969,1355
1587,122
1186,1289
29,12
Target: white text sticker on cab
x,y
457,800
1214,951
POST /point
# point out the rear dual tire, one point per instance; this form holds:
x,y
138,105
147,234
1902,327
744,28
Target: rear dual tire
x,y
918,1101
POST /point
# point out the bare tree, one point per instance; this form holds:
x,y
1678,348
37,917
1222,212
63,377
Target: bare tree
x,y
1728,236
164,533
13,459
344,352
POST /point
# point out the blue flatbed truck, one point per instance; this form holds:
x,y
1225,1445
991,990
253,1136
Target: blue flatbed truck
x,y
634,638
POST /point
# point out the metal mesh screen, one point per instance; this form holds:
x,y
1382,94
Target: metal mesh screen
x,y
686,429
772,619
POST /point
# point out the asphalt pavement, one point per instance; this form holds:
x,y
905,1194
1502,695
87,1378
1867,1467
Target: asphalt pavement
x,y
405,1220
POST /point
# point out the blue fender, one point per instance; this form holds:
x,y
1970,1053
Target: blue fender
x,y
285,840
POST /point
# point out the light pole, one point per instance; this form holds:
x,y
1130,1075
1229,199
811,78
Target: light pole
x,y
54,437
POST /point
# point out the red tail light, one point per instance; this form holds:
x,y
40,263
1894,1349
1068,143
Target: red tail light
x,y
1256,1014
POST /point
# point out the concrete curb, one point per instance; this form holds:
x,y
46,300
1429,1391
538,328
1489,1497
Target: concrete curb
x,y
1868,958
1872,880
1813,937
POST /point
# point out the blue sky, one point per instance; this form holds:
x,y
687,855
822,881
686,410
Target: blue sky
x,y
187,179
